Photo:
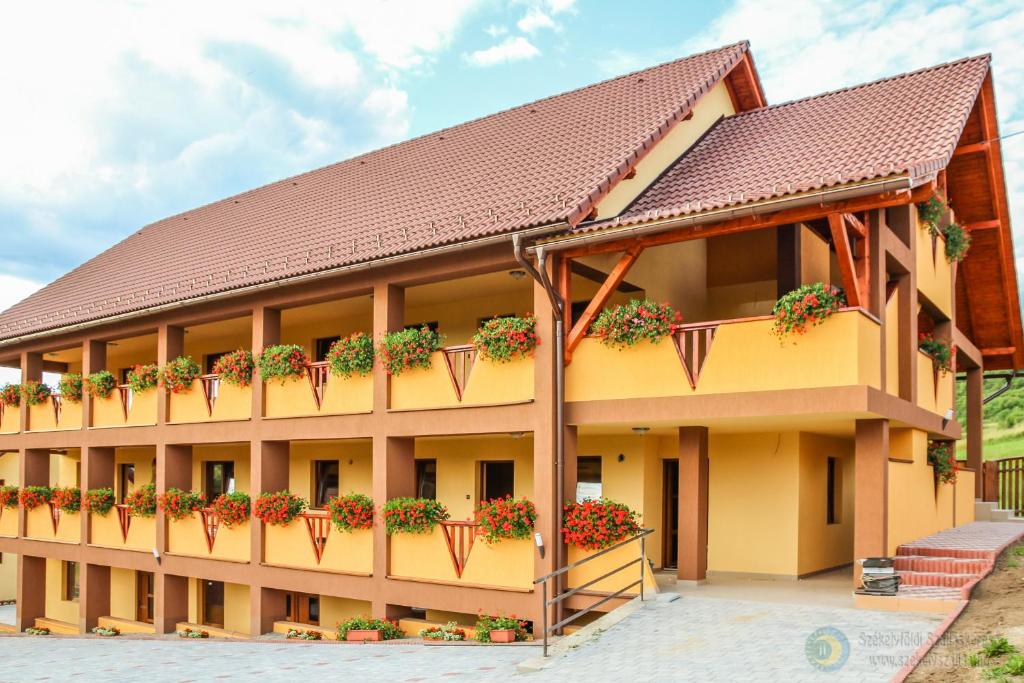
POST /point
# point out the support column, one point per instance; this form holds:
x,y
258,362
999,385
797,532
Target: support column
x,y
31,369
907,343
266,331
31,596
268,473
170,343
97,473
394,474
171,601
871,491
975,391
94,359
93,596
268,606
388,316
694,469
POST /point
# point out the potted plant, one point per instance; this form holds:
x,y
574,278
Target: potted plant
x,y
409,349
450,632
628,324
235,368
32,497
232,508
67,498
352,355
598,524
143,377
35,393
958,240
502,518
505,339
278,509
942,458
70,387
177,504
142,501
941,353
499,629
295,634
368,630
10,395
351,512
282,362
101,384
98,501
8,497
413,515
179,374
805,307
958,243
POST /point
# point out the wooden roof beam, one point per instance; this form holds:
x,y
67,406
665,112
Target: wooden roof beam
x,y
604,292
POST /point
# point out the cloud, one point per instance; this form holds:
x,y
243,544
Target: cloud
x,y
512,49
14,289
495,31
535,19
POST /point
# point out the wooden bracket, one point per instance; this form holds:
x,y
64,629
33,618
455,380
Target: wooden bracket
x,y
693,344
125,392
459,360
54,516
319,528
316,373
604,292
854,270
211,387
124,518
58,403
211,524
459,536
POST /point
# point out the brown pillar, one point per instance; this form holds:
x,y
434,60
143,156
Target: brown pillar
x,y
975,390
171,598
394,475
268,473
170,343
31,596
388,316
94,359
33,470
31,369
266,331
694,470
93,595
97,473
907,315
268,606
871,491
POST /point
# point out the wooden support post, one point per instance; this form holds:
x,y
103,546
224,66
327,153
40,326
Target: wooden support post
x,y
267,605
611,283
975,389
31,370
173,470
871,491
692,560
845,257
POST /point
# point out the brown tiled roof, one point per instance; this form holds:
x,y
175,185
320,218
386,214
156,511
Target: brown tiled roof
x,y
538,164
908,124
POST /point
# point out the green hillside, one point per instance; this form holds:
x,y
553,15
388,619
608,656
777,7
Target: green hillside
x,y
1004,419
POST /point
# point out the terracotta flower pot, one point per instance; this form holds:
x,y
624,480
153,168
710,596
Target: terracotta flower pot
x,y
503,635
357,635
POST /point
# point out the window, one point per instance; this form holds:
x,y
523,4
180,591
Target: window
x,y
497,479
71,581
220,478
213,603
323,346
834,494
325,481
124,375
144,597
125,480
588,478
426,479
415,326
302,608
211,360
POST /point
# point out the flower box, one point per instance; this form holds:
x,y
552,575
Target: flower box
x,y
364,635
503,635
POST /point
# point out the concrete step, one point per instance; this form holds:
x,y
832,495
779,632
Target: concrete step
x,y
935,579
983,510
958,553
942,565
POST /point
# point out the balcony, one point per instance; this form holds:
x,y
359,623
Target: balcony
x,y
319,393
451,554
730,356
458,377
202,535
55,414
210,400
309,542
10,419
119,529
934,388
47,523
125,408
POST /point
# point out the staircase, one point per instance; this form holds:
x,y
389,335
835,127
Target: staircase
x,y
990,512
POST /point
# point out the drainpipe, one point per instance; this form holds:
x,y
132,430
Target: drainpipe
x,y
1008,378
540,274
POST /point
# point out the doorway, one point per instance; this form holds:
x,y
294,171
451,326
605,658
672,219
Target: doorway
x,y
497,479
213,603
302,608
220,478
144,597
670,515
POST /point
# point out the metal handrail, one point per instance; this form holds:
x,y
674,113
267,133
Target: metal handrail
x,y
559,597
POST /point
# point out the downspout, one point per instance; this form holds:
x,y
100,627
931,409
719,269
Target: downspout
x,y
540,274
1008,378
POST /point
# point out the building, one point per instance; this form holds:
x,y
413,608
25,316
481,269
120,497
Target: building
x,y
745,453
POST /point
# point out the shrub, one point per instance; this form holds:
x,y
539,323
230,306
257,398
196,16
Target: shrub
x,y
409,349
449,631
33,631
939,350
295,634
506,339
804,307
958,243
32,497
10,395
352,355
67,498
235,368
597,524
487,623
351,512
942,458
282,362
192,633
630,323
997,647
101,384
143,377
178,504
35,393
413,515
232,508
180,373
506,518
278,509
142,501
105,631
8,496
70,387
98,501
1013,666
389,629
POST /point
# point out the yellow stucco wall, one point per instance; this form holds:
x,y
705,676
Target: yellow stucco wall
x,y
232,403
108,412
9,468
122,593
823,545
347,553
933,271
236,605
334,610
457,313
56,607
10,420
8,576
917,507
342,396
892,344
355,460
608,562
186,537
43,418
507,564
937,399
489,383
8,516
235,452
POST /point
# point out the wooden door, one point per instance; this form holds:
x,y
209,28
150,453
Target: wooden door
x,y
144,597
213,603
670,516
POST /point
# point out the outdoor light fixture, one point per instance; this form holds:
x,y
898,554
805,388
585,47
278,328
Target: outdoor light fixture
x,y
947,417
517,435
641,430
517,274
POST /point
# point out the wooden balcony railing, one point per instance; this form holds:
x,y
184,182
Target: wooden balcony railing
x,y
459,361
1004,483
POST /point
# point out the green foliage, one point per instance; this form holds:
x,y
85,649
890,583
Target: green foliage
x,y
958,242
930,212
35,393
235,368
997,646
101,384
1018,550
389,629
143,377
805,307
282,362
628,324
487,623
505,339
1013,666
98,501
973,659
413,515
410,348
70,387
179,374
352,355
938,349
142,501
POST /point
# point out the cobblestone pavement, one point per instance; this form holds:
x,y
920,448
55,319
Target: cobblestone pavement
x,y
689,639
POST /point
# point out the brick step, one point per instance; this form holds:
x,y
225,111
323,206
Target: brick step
x,y
958,553
935,579
942,565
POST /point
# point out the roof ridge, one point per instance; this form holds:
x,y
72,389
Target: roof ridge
x,y
986,57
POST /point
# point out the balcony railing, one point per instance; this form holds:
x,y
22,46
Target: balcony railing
x,y
458,377
50,523
729,356
55,414
309,542
125,408
119,529
934,272
319,393
202,535
211,400
10,419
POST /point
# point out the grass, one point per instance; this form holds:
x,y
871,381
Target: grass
x,y
996,647
998,443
